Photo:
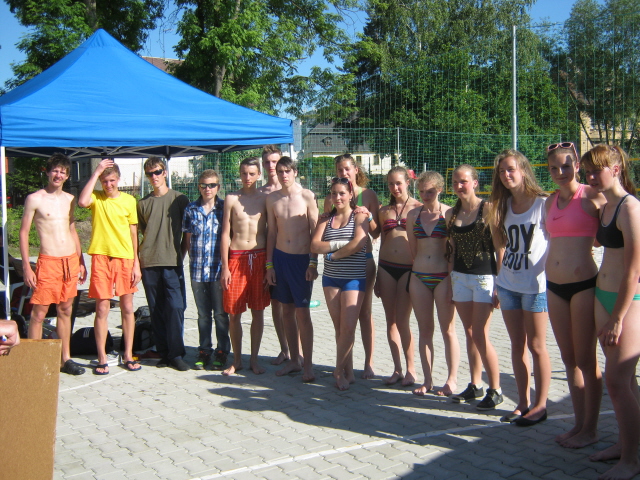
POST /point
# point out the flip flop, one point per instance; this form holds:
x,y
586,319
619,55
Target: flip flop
x,y
128,365
103,366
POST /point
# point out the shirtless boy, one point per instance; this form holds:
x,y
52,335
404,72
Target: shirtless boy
x,y
270,156
60,264
115,269
242,248
292,214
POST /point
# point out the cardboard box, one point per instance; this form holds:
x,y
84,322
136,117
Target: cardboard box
x,y
30,377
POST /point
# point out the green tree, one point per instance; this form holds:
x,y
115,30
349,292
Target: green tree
x,y
247,51
59,26
599,65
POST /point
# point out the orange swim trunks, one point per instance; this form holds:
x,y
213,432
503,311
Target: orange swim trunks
x,y
110,277
56,279
247,268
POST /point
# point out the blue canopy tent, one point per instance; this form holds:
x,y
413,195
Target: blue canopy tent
x,y
103,99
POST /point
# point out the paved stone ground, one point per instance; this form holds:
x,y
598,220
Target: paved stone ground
x,y
165,424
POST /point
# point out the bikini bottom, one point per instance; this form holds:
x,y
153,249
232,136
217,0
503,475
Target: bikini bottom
x,y
396,270
567,290
608,299
430,280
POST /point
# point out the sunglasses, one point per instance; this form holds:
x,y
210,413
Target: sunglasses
x,y
343,180
209,185
156,172
555,146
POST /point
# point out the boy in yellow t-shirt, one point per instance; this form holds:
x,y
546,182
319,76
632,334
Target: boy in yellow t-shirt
x,y
115,270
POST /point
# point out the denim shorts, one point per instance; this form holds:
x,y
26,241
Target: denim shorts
x,y
345,284
472,288
529,302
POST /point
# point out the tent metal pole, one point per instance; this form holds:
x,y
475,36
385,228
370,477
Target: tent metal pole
x,y
5,250
291,151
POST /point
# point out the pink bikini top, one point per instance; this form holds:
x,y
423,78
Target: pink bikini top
x,y
572,220
392,223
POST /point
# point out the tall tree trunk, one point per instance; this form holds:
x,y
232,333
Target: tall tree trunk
x,y
92,18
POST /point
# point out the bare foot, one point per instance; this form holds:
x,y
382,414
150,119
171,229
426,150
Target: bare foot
x,y
367,373
611,453
567,435
394,378
288,368
342,383
350,378
256,368
283,357
232,370
409,379
422,390
446,390
580,440
622,471
308,376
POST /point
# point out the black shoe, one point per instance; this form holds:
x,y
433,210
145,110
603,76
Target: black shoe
x,y
470,393
513,416
179,364
163,363
202,361
219,360
72,368
490,400
525,422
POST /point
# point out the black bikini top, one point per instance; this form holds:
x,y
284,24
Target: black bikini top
x,y
610,235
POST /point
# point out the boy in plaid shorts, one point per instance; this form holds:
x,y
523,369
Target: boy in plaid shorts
x,y
243,252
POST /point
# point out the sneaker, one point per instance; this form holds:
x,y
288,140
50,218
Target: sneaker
x,y
490,401
202,361
179,364
219,360
470,393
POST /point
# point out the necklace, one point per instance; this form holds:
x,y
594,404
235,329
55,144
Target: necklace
x,y
474,207
399,215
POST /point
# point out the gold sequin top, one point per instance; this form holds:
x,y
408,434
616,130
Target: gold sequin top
x,y
474,252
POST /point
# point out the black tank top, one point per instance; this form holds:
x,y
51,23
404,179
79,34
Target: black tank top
x,y
610,235
474,253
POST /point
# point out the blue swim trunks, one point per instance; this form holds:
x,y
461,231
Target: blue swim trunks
x,y
291,286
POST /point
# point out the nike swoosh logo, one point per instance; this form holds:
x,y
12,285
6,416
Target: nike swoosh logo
x,y
557,218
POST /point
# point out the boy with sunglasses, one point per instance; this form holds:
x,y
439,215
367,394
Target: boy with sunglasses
x,y
162,251
202,226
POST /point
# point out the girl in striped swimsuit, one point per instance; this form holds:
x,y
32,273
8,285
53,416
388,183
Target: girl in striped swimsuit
x,y
342,237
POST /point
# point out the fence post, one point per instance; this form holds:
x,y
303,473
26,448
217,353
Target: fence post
x,y
514,91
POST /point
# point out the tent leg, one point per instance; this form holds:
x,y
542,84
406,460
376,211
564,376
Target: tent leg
x,y
5,250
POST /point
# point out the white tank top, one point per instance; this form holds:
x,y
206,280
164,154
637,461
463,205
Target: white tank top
x,y
524,258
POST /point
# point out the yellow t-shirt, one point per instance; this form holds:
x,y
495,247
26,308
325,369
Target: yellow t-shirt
x,y
110,220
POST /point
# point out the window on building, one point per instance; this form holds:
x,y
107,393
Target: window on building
x,y
376,159
359,159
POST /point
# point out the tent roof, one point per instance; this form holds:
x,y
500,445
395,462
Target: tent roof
x,y
104,98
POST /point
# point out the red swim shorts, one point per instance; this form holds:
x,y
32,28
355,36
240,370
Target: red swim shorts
x,y
110,277
247,286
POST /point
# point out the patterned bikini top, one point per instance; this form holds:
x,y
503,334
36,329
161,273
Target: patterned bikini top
x,y
439,231
392,223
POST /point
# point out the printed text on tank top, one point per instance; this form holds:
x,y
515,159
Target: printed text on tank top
x,y
572,220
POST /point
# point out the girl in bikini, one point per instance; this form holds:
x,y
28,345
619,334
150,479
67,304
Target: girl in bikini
x,y
392,284
342,237
430,281
366,201
517,211
474,254
617,309
572,222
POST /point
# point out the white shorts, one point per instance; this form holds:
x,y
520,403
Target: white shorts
x,y
472,288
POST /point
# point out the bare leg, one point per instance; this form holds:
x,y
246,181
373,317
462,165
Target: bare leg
x,y
101,328
294,364
367,330
446,311
235,333
257,328
513,320
350,302
536,327
63,327
303,317
466,314
388,291
422,299
481,323
276,313
128,328
38,313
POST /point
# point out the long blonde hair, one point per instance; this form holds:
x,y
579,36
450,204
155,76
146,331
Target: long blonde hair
x,y
501,194
603,156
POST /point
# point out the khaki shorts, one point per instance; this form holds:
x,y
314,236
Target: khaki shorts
x,y
56,279
110,277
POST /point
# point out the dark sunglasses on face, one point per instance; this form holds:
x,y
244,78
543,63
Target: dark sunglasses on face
x,y
208,185
156,172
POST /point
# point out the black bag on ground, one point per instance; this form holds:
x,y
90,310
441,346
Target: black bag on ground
x,y
83,342
143,338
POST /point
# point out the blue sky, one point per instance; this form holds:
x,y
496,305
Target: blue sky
x,y
162,40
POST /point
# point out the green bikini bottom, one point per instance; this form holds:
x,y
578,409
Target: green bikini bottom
x,y
608,299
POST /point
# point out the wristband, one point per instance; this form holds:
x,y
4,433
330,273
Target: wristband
x,y
269,265
328,256
370,217
313,264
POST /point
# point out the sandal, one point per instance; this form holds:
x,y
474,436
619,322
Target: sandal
x,y
128,365
102,366
72,368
